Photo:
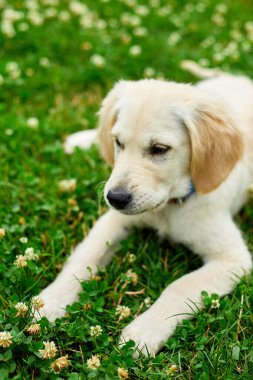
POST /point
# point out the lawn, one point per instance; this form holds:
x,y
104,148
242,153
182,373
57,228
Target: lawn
x,y
58,59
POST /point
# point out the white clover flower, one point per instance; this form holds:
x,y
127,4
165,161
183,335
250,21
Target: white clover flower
x,y
93,362
135,50
148,302
49,351
131,258
97,60
77,8
140,31
221,8
32,122
2,232
35,17
130,19
96,331
67,185
215,304
64,16
54,3
155,3
123,373
30,255
37,303
50,12
149,72
123,311
60,363
142,10
33,329
173,39
218,20
12,15
8,29
21,308
132,276
20,261
13,70
44,62
23,240
5,339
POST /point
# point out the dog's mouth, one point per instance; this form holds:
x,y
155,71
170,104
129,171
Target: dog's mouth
x,y
136,211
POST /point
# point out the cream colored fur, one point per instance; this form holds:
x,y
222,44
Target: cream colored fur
x,y
209,128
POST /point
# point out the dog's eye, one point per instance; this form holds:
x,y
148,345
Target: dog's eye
x,y
118,144
158,149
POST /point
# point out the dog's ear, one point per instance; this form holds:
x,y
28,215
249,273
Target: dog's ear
x,y
216,144
107,119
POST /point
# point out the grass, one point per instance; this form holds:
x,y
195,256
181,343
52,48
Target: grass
x,y
57,80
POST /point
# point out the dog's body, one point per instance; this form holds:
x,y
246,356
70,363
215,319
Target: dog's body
x,y
168,135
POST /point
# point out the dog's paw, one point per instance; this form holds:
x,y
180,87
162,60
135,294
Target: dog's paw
x,y
82,139
55,302
148,334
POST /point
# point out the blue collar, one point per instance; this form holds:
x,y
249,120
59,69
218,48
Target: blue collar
x,y
181,200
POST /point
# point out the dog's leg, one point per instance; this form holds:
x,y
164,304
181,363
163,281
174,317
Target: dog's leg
x,y
226,260
95,250
82,139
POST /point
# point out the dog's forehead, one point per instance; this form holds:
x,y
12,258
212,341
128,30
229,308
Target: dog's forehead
x,y
147,112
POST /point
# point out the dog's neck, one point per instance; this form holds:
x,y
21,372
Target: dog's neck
x,y
182,200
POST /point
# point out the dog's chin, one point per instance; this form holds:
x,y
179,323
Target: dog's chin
x,y
137,211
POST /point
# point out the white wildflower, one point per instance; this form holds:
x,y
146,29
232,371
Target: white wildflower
x,y
96,331
132,276
149,72
148,302
140,31
60,363
9,131
5,339
32,122
131,258
21,308
123,311
49,351
33,329
173,39
77,8
123,373
2,232
67,185
37,303
172,369
215,304
30,254
97,60
23,240
142,10
20,261
44,62
64,16
93,362
13,70
23,27
135,50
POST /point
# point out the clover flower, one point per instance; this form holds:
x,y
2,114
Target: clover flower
x,y
132,276
32,122
123,373
96,331
123,311
67,185
135,50
215,304
21,308
23,240
2,232
131,258
49,351
60,363
97,60
20,261
148,302
5,339
37,303
33,329
93,362
30,255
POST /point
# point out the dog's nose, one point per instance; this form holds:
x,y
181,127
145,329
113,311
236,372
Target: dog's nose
x,y
119,198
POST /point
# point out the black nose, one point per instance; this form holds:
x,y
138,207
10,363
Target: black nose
x,y
119,198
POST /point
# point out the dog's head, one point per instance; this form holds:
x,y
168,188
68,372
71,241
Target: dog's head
x,y
160,136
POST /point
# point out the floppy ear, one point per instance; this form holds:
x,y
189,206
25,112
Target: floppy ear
x,y
216,145
107,118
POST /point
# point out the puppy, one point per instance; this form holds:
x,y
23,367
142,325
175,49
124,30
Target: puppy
x,y
182,160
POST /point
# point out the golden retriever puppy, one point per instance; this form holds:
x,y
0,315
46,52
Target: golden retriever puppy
x,y
182,160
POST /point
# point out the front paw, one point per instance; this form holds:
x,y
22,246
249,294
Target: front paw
x,y
55,302
148,332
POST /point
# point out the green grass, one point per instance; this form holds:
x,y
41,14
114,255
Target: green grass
x,y
64,94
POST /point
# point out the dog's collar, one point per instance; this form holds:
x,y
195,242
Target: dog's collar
x,y
181,200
